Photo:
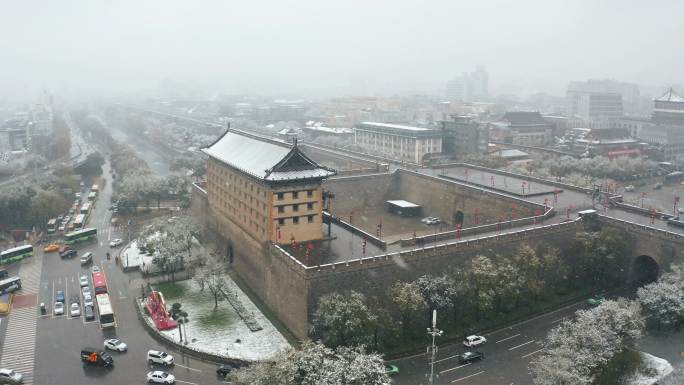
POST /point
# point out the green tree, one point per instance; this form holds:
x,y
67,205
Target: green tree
x,y
343,319
46,205
481,278
92,165
409,302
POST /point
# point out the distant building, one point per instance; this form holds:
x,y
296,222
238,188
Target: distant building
x,y
525,128
629,92
317,130
463,135
597,109
668,109
666,128
263,189
468,86
398,142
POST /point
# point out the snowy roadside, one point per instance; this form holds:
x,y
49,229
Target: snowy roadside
x,y
652,370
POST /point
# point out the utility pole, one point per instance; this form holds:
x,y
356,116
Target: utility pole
x,y
434,332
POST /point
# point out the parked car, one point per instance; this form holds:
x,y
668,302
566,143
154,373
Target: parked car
x,y
629,188
75,309
469,357
59,296
86,258
87,299
89,312
59,308
392,370
86,289
60,217
224,370
596,300
472,341
115,242
74,299
431,220
158,357
83,279
61,227
159,377
96,357
95,268
115,344
51,247
9,376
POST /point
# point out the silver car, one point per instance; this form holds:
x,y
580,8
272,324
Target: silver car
x,y
9,376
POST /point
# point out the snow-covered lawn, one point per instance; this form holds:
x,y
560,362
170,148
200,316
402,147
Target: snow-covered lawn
x,y
222,331
652,370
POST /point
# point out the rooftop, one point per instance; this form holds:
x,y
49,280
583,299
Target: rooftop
x,y
524,118
670,96
265,159
396,126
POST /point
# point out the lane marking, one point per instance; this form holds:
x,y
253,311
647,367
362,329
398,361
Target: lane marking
x,y
444,359
558,320
458,367
534,352
187,367
507,338
472,375
521,345
186,382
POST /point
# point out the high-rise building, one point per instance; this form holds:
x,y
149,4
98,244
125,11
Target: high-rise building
x,y
469,86
597,109
629,92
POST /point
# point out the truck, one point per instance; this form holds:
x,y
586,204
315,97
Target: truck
x,y
97,357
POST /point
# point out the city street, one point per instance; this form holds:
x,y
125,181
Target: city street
x,y
507,353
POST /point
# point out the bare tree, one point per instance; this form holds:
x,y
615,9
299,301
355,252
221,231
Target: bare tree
x,y
216,281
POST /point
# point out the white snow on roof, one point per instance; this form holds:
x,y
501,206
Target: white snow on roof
x,y
396,126
402,203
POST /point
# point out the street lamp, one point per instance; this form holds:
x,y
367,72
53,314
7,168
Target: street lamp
x,y
433,332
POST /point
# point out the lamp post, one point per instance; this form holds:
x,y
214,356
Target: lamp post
x,y
433,332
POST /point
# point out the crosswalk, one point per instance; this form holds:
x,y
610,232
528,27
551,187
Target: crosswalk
x,y
18,350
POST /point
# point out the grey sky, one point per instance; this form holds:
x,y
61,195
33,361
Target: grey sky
x,y
324,48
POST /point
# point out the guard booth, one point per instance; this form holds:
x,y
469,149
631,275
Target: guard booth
x,y
404,208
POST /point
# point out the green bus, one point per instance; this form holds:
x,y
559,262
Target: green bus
x,y
80,235
16,254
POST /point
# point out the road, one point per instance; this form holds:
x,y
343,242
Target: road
x,y
46,347
507,353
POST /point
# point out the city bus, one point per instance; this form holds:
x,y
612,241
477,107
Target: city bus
x,y
10,284
104,308
80,235
79,221
92,196
99,282
85,209
52,225
16,254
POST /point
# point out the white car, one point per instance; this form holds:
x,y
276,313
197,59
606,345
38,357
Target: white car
x,y
157,357
86,290
116,242
9,376
75,310
472,341
59,308
61,227
83,279
430,220
87,299
95,268
160,377
115,344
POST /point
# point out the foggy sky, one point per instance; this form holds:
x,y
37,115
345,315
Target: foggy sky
x,y
325,48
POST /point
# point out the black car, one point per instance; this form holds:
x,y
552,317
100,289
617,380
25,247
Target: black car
x,y
224,370
68,253
74,299
469,357
97,357
89,313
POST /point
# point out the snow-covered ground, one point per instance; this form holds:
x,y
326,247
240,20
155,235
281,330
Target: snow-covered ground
x,y
223,339
652,370
131,256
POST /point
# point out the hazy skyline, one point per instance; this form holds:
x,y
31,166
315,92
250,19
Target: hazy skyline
x,y
318,48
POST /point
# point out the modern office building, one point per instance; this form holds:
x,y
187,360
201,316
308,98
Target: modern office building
x,y
267,189
629,92
399,142
469,86
464,135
